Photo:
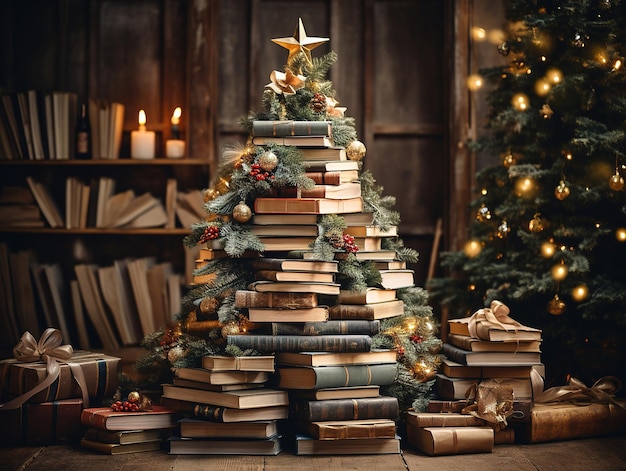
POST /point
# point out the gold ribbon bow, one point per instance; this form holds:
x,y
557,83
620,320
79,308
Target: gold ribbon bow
x,y
602,390
497,315
50,350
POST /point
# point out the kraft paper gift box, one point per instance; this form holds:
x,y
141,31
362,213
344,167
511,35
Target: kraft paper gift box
x,y
451,440
48,423
100,372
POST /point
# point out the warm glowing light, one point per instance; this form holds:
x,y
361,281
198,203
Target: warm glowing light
x,y
548,249
559,272
525,187
483,191
568,156
601,58
520,102
176,115
617,65
479,34
554,75
496,36
580,292
142,118
472,248
429,326
474,82
542,87
472,287
620,234
544,58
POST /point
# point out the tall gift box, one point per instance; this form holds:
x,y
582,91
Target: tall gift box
x,y
47,423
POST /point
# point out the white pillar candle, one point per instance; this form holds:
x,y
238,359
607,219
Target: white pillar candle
x,y
142,142
174,148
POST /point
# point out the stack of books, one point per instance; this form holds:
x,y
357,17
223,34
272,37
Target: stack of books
x,y
116,432
337,407
227,407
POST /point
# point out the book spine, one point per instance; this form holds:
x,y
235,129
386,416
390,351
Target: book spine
x,y
334,431
326,178
100,435
209,412
351,311
290,128
294,343
454,353
275,300
354,375
318,191
94,418
332,327
382,407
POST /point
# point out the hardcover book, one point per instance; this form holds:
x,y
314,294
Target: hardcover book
x,y
299,276
330,327
466,357
241,399
190,383
372,311
478,345
248,298
336,177
275,244
106,418
335,192
242,363
396,279
335,359
225,414
330,165
304,377
369,296
294,287
122,437
349,429
222,377
436,419
301,343
514,334
225,446
453,369
196,428
297,265
313,314
307,205
298,141
353,392
267,128
366,446
324,153
288,219
118,449
284,230
381,407
437,441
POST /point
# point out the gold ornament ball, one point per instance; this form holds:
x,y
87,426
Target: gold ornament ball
x,y
242,212
559,272
210,194
134,397
620,234
230,329
509,160
561,191
535,224
175,354
616,183
556,306
268,161
356,150
209,305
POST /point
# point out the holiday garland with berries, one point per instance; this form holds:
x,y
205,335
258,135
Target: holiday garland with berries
x,y
300,93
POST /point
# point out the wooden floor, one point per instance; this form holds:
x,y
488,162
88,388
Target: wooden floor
x,y
607,454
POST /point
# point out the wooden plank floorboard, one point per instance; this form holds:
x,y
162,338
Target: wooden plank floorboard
x,y
606,454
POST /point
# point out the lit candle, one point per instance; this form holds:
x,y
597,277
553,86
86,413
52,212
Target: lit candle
x,y
175,147
142,142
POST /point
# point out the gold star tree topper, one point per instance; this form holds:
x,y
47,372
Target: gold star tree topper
x,y
300,42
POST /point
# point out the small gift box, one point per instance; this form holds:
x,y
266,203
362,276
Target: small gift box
x,y
48,423
48,371
451,440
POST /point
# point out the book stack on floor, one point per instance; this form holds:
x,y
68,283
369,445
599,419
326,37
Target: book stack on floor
x,y
227,407
117,432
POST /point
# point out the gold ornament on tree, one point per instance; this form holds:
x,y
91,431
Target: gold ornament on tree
x,y
230,329
616,182
503,230
242,212
562,191
209,305
536,224
210,194
509,159
356,150
483,213
268,161
556,306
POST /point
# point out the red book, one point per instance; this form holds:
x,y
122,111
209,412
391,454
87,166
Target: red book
x,y
108,419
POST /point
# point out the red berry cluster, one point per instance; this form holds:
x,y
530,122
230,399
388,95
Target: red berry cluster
x,y
125,406
416,338
210,233
349,245
260,174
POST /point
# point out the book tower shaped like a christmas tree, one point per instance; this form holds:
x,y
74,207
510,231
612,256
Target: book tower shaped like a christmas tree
x,y
300,258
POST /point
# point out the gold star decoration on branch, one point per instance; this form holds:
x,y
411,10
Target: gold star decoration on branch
x,y
300,43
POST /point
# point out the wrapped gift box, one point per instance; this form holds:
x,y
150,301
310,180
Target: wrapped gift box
x,y
436,419
451,440
48,423
100,371
564,421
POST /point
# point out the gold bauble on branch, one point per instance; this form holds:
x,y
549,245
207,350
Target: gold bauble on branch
x,y
356,150
483,214
242,212
535,224
209,305
176,353
230,329
556,306
559,271
210,194
616,182
268,161
561,191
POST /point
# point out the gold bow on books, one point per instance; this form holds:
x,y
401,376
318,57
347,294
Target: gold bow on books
x,y
50,350
602,390
496,316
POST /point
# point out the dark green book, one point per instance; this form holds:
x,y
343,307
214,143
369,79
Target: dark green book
x,y
347,327
302,343
320,377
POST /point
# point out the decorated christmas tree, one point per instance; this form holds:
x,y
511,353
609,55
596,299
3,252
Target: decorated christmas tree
x,y
549,229
231,244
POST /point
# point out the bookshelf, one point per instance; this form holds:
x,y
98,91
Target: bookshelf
x,y
91,50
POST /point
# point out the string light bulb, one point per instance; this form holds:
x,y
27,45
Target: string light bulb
x,y
580,293
472,248
548,249
559,271
620,234
520,102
